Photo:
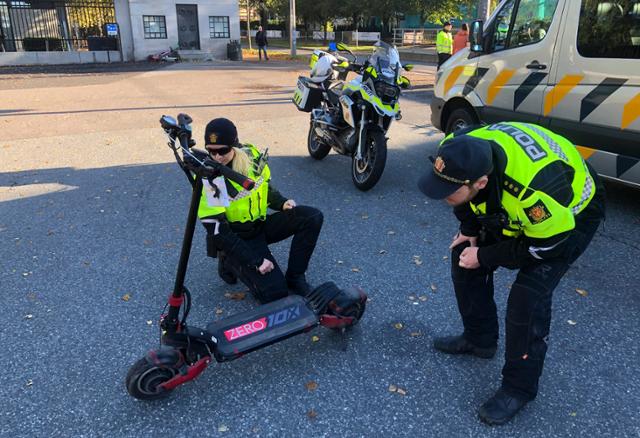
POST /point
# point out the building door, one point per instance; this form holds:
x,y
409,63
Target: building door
x,y
188,33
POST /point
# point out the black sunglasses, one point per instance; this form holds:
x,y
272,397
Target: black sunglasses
x,y
219,151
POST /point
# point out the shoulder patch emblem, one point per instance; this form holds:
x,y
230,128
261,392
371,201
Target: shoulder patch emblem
x,y
538,212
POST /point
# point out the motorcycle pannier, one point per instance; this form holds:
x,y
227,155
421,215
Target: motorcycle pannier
x,y
307,95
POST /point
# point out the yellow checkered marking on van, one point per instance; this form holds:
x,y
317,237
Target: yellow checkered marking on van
x,y
630,112
452,78
560,91
498,84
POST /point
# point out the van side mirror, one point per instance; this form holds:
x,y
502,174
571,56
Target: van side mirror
x,y
475,36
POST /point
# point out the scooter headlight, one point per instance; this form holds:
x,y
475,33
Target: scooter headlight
x,y
388,93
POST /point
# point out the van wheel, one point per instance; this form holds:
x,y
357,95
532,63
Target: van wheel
x,y
459,119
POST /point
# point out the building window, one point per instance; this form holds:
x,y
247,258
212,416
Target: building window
x,y
219,27
155,27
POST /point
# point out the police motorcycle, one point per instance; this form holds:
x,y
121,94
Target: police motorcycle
x,y
352,117
186,351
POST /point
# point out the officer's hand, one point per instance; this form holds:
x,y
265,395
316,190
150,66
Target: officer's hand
x,y
265,267
289,205
469,258
460,238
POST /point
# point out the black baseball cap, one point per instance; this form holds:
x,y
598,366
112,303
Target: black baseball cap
x,y
459,160
221,131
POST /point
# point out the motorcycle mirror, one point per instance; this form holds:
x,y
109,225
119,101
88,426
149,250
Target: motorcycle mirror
x,y
168,122
343,47
408,67
184,119
404,82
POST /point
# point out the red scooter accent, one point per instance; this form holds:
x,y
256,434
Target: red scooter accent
x,y
176,302
336,322
192,372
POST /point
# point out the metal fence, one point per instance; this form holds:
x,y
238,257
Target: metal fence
x,y
414,37
56,25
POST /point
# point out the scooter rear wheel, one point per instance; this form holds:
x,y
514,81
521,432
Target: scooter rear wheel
x,y
144,379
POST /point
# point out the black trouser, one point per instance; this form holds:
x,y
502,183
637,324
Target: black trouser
x,y
442,57
263,49
528,307
304,224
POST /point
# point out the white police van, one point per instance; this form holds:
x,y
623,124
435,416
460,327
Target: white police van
x,y
570,65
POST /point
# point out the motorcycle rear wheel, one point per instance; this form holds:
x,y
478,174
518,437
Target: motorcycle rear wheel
x,y
366,172
317,148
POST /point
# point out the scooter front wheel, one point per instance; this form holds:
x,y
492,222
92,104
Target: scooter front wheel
x,y
146,376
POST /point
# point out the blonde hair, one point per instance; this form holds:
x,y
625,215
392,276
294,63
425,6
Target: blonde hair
x,y
241,162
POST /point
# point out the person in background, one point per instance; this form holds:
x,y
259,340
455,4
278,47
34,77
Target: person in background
x,y
444,44
461,40
261,41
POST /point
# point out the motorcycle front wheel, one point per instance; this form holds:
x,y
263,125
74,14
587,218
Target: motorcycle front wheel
x,y
366,172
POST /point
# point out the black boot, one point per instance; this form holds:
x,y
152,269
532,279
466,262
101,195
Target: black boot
x,y
459,345
500,408
225,273
298,284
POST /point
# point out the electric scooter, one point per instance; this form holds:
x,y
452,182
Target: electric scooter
x,y
185,351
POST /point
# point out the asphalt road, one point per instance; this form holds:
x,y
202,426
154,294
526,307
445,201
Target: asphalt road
x,y
92,210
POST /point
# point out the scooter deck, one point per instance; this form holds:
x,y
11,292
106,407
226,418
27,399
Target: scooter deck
x,y
262,326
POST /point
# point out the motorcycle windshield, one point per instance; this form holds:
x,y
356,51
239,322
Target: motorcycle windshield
x,y
386,60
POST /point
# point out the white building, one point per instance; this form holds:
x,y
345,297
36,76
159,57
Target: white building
x,y
199,28
81,31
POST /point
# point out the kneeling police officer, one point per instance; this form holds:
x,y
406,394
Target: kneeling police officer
x,y
239,233
525,200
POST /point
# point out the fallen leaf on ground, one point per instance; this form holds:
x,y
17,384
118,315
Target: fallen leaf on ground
x,y
423,298
147,242
393,388
340,262
391,233
355,269
582,292
365,216
312,414
398,325
311,385
126,297
418,262
573,414
434,287
402,391
235,296
50,233
445,257
219,311
29,382
412,297
169,245
223,428
416,334
571,322
314,338
28,316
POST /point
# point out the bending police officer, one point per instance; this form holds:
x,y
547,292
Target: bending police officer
x,y
525,200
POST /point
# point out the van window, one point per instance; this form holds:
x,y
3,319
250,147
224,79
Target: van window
x,y
532,21
526,25
609,29
501,28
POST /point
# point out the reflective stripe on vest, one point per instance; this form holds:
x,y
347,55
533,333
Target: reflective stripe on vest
x,y
247,205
